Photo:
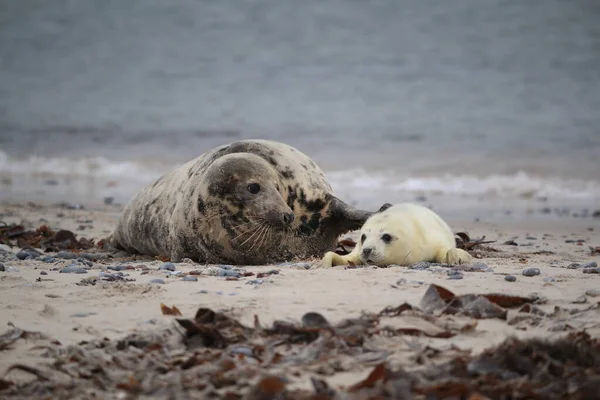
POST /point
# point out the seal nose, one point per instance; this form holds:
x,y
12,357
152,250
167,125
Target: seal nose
x,y
367,251
288,218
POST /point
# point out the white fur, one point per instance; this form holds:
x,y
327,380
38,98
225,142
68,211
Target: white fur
x,y
418,234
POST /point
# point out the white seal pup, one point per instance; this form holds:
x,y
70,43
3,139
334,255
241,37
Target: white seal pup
x,y
250,202
402,234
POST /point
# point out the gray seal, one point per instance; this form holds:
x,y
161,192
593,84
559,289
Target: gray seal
x,y
250,202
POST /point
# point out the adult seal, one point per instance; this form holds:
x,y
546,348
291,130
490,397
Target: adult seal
x,y
250,202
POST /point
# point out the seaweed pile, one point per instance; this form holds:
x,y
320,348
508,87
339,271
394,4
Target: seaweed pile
x,y
213,355
43,237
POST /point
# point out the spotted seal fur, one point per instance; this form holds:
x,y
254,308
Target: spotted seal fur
x,y
250,202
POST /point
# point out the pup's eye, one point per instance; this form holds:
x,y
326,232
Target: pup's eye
x,y
363,238
386,238
254,188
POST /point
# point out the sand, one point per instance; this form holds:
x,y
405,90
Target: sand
x,y
55,305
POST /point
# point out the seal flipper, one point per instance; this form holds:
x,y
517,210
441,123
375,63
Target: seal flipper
x,y
346,218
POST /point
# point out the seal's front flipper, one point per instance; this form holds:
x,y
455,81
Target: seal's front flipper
x,y
453,256
347,218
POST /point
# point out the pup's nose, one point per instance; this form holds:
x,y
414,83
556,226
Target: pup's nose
x,y
288,218
367,251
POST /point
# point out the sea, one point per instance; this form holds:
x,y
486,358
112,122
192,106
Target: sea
x,y
493,101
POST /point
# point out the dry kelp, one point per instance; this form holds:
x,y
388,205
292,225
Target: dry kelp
x,y
213,355
43,237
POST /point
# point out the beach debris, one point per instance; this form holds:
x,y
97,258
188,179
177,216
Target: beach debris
x,y
595,270
463,241
593,292
595,251
455,275
166,310
190,278
510,278
158,281
591,264
28,254
227,359
168,266
438,300
255,282
531,272
510,243
73,269
15,333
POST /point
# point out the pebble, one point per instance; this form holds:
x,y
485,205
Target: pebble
x,y
158,281
11,269
591,264
456,276
531,271
174,273
224,266
91,257
295,265
420,266
167,266
580,300
591,270
85,262
247,351
531,238
549,279
573,266
83,314
27,254
233,293
190,278
117,267
255,282
43,273
593,292
67,255
2,268
228,272
481,267
48,259
510,278
73,269
203,291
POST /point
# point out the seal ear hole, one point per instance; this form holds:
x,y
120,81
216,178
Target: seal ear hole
x,y
386,238
254,188
363,238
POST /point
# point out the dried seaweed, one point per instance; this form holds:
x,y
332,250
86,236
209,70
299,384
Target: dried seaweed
x,y
463,241
221,358
43,237
166,310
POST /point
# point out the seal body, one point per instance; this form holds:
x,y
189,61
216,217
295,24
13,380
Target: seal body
x,y
402,234
249,202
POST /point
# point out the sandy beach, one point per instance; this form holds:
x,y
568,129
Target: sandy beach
x,y
72,309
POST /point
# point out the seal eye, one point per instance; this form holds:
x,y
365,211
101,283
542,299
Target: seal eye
x,y
254,188
363,238
386,238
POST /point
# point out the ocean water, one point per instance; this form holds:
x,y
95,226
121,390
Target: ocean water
x,y
392,98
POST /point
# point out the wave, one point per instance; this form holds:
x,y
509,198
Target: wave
x,y
519,184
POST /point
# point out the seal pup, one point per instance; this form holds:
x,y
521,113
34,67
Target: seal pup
x,y
402,234
250,202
